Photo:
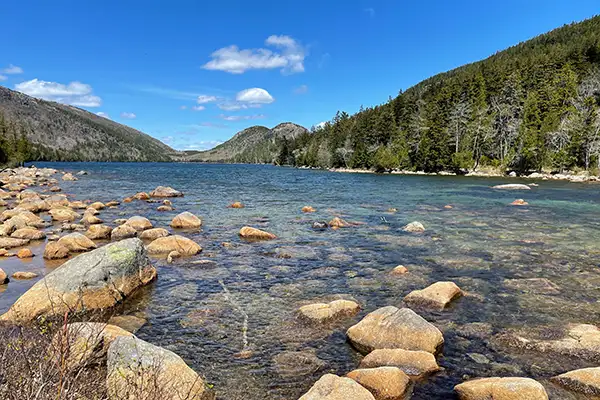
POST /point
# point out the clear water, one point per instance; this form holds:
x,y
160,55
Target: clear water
x,y
198,309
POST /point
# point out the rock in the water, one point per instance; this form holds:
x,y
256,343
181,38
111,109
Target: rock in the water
x,y
165,191
24,275
123,232
393,328
438,295
337,222
308,209
321,312
414,227
385,383
512,186
55,251
24,253
3,277
164,208
533,285
153,234
237,204
68,177
141,196
333,387
501,389
89,219
130,323
297,363
64,214
172,256
585,381
180,244
320,225
139,223
112,203
98,205
28,233
416,364
399,270
519,202
76,242
186,220
96,280
9,243
255,234
98,232
132,363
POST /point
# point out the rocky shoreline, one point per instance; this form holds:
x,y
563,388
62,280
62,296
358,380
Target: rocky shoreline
x,y
107,265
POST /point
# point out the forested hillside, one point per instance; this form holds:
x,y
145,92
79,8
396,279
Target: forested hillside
x,y
533,106
58,132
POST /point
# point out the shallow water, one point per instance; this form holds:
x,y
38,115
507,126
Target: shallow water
x,y
199,310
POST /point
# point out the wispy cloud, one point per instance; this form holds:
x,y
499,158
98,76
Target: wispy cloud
x,y
170,93
3,78
198,108
74,93
128,115
302,89
289,58
103,115
370,11
12,70
324,60
204,99
241,117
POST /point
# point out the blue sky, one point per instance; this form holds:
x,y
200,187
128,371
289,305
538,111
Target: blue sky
x,y
193,73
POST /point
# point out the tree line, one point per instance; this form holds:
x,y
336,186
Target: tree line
x,y
15,148
532,107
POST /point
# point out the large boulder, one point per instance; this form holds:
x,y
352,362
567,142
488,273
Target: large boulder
x,y
186,220
333,387
96,280
255,234
180,244
512,186
28,233
165,191
585,381
64,214
55,251
416,364
501,389
324,312
34,205
76,242
393,328
153,234
385,383
139,223
123,232
85,343
9,243
133,363
437,296
98,232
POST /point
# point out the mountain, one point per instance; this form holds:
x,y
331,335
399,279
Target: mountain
x,y
532,107
65,133
257,144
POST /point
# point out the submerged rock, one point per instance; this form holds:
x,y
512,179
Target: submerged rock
x,y
96,280
321,312
255,234
333,387
585,381
414,227
186,220
384,383
512,186
297,363
501,389
132,363
393,328
438,295
130,323
416,364
165,191
180,244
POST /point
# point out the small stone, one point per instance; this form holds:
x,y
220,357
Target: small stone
x,y
414,227
154,233
3,277
141,196
139,223
98,232
448,207
24,275
399,270
320,225
255,234
438,295
237,204
24,253
186,220
339,223
180,244
512,186
123,232
112,203
416,364
392,210
172,255
321,312
308,209
97,205
519,202
165,191
164,208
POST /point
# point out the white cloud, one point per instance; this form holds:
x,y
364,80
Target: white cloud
x,y
75,93
254,96
203,99
240,117
128,115
103,115
289,58
12,70
302,89
198,108
3,78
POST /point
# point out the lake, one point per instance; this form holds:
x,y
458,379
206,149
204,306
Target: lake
x,y
200,310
